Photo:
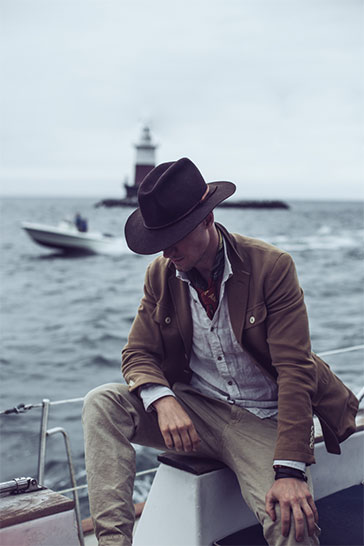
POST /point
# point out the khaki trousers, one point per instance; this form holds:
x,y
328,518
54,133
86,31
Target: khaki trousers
x,y
113,419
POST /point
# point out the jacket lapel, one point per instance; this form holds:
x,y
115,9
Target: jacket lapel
x,y
237,287
181,302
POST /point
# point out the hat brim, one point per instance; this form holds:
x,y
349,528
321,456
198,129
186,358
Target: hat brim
x,y
150,241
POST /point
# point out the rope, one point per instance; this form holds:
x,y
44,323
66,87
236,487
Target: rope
x,y
22,408
85,486
340,351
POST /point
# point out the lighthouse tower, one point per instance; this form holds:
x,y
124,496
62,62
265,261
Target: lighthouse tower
x,y
145,161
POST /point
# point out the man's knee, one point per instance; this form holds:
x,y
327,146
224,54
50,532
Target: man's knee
x,y
273,532
103,399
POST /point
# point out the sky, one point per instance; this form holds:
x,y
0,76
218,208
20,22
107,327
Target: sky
x,y
265,93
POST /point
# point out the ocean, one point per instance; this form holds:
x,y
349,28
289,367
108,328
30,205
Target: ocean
x,y
65,319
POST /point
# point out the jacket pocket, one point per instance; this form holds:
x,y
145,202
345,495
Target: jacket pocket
x,y
255,316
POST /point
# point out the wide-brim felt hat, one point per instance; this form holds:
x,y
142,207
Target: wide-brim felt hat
x,y
173,199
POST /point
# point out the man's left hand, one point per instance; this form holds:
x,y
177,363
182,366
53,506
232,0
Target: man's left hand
x,y
292,495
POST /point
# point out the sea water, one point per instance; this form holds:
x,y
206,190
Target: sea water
x,y
64,320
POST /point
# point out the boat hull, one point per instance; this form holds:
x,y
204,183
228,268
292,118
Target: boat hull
x,y
67,239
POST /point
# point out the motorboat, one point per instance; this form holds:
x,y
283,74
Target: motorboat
x,y
66,237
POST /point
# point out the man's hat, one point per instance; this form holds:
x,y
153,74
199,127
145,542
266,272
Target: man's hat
x,y
173,199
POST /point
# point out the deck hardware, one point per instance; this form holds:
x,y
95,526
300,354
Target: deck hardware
x,y
20,408
19,485
43,439
60,430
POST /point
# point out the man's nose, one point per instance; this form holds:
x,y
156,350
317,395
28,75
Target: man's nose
x,y
168,252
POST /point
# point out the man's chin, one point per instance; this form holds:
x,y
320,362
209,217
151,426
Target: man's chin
x,y
181,267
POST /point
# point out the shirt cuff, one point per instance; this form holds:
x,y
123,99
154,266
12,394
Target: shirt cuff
x,y
292,464
151,393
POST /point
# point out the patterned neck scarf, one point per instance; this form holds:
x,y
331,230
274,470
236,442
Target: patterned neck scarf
x,y
209,291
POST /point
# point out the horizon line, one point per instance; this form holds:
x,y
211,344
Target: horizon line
x,y
77,196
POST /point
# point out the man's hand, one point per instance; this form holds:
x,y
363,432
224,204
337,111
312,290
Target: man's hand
x,y
176,427
292,495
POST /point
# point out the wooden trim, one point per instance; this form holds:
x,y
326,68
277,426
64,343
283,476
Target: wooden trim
x,y
33,505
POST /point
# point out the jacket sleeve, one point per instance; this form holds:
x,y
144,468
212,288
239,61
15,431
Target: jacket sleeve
x,y
144,352
289,344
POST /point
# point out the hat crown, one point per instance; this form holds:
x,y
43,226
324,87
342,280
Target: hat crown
x,y
169,192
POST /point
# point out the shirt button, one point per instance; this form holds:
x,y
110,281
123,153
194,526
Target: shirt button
x,y
230,382
211,329
168,320
219,358
252,320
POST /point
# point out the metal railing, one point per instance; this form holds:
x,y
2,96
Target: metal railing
x,y
45,433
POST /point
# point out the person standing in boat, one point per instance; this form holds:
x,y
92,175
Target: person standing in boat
x,y
81,223
218,363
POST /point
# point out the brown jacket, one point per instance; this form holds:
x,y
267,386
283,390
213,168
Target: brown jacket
x,y
269,319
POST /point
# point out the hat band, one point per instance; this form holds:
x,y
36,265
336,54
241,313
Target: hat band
x,y
205,196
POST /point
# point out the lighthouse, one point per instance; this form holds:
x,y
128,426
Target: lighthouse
x,y
145,161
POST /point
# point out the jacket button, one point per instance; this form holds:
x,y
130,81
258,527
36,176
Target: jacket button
x,y
252,320
168,320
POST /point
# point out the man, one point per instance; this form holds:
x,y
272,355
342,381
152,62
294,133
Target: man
x,y
218,363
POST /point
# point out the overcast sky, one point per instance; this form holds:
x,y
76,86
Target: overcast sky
x,y
266,93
